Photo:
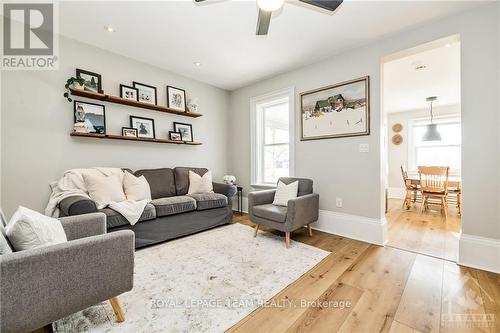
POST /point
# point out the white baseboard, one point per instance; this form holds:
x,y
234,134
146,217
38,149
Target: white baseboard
x,y
396,193
362,228
479,252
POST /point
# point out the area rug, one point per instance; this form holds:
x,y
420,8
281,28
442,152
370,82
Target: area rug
x,y
202,283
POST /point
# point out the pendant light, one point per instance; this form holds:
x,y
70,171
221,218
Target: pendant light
x,y
431,134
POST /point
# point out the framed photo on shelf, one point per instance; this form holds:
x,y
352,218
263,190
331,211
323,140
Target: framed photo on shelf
x,y
145,126
186,131
129,132
146,93
129,93
93,115
93,81
174,136
176,99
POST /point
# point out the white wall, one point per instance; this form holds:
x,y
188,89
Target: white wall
x,y
397,155
336,166
36,122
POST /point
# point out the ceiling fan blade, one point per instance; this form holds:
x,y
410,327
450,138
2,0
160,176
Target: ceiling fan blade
x,y
330,5
263,22
199,0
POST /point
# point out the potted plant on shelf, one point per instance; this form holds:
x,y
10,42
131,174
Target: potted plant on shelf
x,y
73,83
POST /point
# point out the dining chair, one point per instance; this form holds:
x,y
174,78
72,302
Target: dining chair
x,y
457,192
434,184
411,189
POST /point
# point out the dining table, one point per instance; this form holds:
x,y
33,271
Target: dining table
x,y
453,182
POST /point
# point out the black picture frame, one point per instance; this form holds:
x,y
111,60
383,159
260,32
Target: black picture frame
x,y
123,86
176,129
100,129
173,132
79,73
184,98
137,85
138,130
129,129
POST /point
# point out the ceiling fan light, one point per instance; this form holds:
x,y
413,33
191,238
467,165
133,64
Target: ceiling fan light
x,y
270,5
431,134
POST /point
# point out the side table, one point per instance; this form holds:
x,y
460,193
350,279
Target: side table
x,y
239,193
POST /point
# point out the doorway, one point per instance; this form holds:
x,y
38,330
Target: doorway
x,y
422,127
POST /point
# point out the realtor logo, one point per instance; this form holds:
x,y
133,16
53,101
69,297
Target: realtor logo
x,y
29,36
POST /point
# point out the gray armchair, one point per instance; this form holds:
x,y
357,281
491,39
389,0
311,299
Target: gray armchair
x,y
42,285
300,212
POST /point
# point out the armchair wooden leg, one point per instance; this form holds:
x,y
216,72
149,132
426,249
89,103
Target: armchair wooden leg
x,y
255,230
117,309
287,239
310,230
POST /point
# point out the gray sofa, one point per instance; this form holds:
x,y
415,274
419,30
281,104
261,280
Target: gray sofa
x,y
42,285
300,212
172,213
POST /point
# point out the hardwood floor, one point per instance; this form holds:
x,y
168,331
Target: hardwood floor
x,y
425,233
367,288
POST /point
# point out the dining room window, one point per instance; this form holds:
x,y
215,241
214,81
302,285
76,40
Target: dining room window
x,y
447,152
272,137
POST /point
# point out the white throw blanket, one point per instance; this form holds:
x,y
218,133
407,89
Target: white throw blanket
x,y
72,184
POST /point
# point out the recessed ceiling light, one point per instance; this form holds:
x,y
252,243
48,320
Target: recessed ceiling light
x,y
197,63
109,29
448,45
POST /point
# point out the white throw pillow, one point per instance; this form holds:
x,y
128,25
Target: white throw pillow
x,y
28,229
285,192
104,189
198,184
136,188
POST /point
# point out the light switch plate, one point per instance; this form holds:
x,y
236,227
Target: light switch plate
x,y
338,202
364,148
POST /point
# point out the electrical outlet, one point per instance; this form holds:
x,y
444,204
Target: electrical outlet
x,y
364,148
339,202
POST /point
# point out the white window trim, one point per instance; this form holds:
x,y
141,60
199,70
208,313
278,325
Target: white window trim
x,y
284,93
411,140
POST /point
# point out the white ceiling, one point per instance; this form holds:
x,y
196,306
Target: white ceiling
x,y
221,34
406,88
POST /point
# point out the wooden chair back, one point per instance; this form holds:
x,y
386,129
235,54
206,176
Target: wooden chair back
x,y
434,179
404,173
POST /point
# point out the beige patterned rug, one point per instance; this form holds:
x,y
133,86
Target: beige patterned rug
x,y
202,283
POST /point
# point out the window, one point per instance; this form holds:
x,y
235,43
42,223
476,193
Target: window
x,y
272,137
447,152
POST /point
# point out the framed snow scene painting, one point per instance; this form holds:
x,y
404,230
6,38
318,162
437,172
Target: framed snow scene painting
x,y
336,111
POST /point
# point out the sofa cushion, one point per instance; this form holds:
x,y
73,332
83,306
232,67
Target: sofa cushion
x,y
305,185
209,200
174,205
182,178
5,247
200,184
28,229
104,189
115,219
161,181
270,212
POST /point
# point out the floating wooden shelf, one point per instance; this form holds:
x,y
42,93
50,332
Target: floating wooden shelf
x,y
123,101
129,138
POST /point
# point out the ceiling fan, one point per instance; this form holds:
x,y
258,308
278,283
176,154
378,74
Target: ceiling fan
x,y
267,7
